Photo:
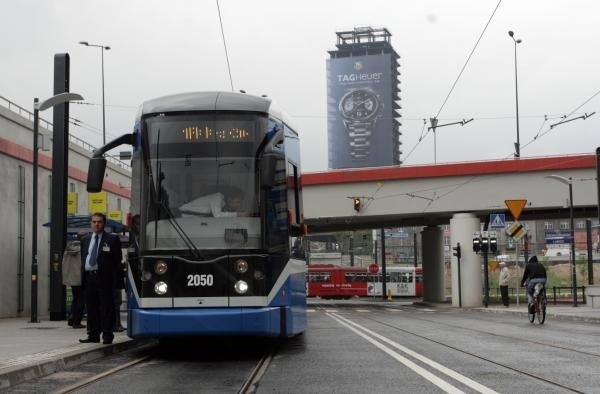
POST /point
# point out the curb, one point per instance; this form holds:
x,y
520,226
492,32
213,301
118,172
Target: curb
x,y
43,364
549,314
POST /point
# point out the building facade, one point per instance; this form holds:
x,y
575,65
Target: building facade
x,y
363,97
16,173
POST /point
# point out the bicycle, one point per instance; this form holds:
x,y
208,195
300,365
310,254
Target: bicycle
x,y
538,307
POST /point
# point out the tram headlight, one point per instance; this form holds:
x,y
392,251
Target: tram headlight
x,y
160,288
241,266
146,276
160,267
241,287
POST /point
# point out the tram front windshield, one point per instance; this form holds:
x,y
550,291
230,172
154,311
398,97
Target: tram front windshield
x,y
201,187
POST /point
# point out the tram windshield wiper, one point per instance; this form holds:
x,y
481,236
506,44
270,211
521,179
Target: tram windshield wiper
x,y
180,231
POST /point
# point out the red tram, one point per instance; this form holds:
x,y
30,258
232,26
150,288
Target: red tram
x,y
331,281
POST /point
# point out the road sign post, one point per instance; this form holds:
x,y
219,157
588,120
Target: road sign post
x,y
516,209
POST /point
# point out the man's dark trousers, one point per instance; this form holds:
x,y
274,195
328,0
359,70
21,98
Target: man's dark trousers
x,y
101,311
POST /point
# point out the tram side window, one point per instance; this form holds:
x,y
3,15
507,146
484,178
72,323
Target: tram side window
x,y
319,277
355,277
380,278
361,277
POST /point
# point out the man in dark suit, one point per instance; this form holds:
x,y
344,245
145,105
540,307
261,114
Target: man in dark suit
x,y
100,259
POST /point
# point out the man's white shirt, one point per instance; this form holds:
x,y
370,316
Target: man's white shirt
x,y
211,204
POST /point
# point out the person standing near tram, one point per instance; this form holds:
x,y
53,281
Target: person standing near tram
x,y
503,282
100,258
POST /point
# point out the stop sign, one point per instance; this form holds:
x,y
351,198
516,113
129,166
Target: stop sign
x,y
373,268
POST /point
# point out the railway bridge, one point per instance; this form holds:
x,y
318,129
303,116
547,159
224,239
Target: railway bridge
x,y
460,194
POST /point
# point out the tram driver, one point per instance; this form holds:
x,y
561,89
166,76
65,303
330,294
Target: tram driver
x,y
217,204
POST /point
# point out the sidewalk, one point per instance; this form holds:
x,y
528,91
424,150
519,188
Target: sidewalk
x,y
582,312
30,350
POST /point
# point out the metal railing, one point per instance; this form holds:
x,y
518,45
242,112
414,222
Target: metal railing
x,y
47,125
554,294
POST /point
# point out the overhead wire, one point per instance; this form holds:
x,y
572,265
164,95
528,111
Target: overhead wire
x,y
459,185
565,117
459,75
225,45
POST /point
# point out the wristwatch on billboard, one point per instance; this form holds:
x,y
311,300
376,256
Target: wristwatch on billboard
x,y
359,109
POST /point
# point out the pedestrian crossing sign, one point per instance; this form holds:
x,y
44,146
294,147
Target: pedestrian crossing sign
x,y
497,220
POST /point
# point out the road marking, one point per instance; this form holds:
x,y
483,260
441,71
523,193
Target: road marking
x,y
393,310
331,310
447,371
310,310
362,310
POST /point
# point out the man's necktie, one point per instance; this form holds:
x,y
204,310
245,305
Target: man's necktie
x,y
94,253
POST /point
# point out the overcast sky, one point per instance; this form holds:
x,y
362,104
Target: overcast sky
x,y
279,48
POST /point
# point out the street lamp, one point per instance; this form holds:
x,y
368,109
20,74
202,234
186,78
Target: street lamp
x,y
518,143
102,49
569,181
37,107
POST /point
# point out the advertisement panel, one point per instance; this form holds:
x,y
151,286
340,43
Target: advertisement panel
x,y
117,216
359,111
97,202
72,203
558,237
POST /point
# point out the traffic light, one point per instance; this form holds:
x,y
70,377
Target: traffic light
x,y
484,244
493,243
476,242
356,202
485,241
457,250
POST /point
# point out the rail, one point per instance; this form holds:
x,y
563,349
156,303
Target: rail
x,y
25,113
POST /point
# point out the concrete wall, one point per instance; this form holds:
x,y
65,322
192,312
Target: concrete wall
x,y
413,194
16,141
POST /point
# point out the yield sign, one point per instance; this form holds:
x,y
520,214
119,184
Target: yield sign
x,y
515,207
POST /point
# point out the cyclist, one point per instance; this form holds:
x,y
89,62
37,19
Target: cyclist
x,y
534,273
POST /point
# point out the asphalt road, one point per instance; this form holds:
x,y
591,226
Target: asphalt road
x,y
354,348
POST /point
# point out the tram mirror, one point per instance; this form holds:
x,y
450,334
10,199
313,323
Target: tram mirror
x,y
95,177
267,170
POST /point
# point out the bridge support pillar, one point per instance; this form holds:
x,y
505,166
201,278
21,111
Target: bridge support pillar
x,y
432,242
462,227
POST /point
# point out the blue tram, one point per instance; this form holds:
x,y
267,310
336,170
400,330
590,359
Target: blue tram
x,y
215,202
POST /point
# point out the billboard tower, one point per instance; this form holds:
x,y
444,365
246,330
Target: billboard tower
x,y
362,100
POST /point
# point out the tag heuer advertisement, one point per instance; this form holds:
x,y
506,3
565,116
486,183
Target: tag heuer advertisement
x,y
359,111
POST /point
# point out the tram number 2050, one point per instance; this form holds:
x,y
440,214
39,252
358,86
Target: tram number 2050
x,y
200,280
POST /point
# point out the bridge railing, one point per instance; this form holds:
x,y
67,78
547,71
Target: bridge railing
x,y
25,113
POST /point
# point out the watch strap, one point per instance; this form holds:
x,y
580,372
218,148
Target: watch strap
x,y
359,134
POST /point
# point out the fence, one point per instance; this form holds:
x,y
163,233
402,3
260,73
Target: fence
x,y
48,126
554,294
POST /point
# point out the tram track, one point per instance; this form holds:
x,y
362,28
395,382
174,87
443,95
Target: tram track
x,y
103,375
154,354
513,338
252,381
512,368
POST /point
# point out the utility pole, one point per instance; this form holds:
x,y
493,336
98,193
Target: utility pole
x,y
434,126
484,242
457,254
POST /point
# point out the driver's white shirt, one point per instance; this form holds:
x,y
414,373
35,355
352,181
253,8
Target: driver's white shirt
x,y
211,204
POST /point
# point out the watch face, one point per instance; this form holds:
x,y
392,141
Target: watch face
x,y
359,104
